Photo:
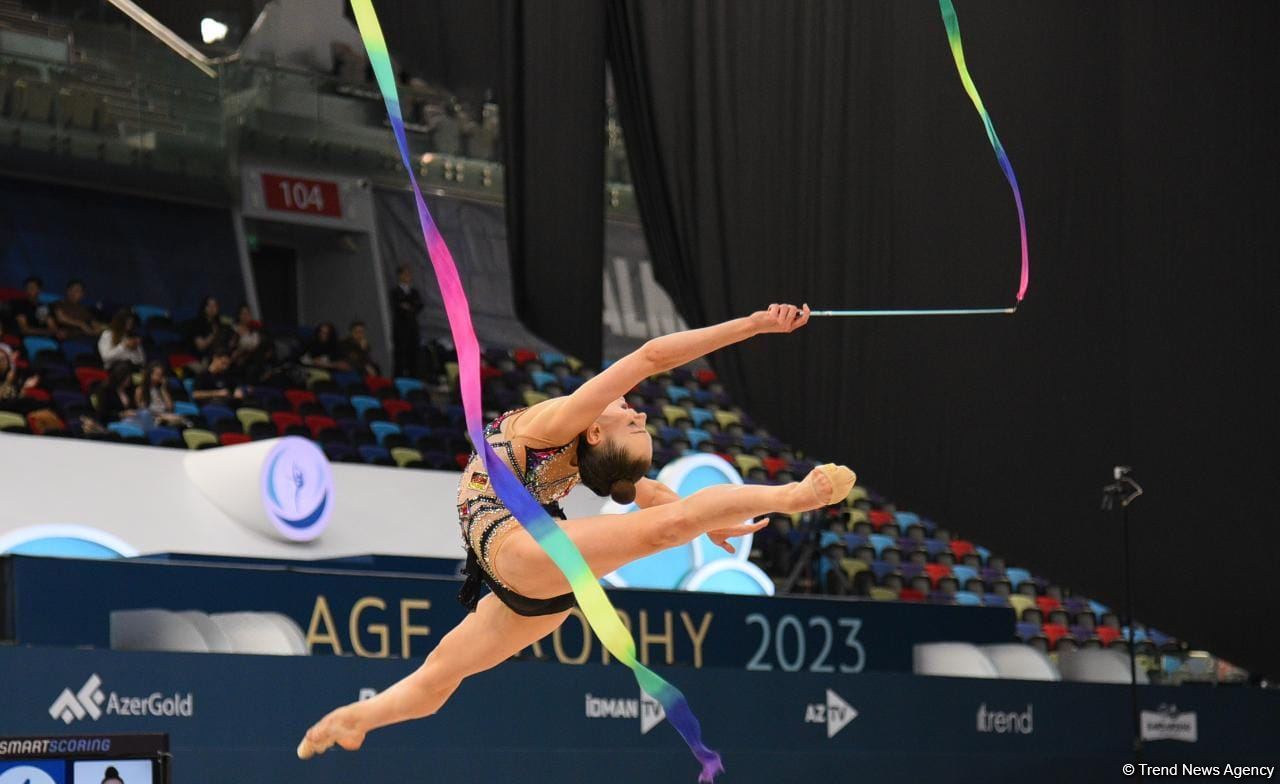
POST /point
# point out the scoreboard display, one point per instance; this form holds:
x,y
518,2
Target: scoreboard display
x,y
85,759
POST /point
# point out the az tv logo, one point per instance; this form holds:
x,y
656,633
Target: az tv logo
x,y
85,702
836,713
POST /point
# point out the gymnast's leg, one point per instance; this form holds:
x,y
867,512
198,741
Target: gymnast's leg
x,y
484,639
608,542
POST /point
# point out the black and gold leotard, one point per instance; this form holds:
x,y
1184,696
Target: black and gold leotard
x,y
548,471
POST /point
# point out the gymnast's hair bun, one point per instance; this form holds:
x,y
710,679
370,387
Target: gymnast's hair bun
x,y
623,491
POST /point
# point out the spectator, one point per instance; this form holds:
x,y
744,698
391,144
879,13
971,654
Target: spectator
x,y
355,350
31,315
115,395
253,350
206,333
406,304
219,382
74,317
120,345
5,348
12,384
152,395
323,350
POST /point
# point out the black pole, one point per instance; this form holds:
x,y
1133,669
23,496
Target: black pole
x,y
1126,578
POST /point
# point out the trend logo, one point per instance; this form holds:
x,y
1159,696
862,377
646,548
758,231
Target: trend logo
x,y
699,565
86,702
835,713
297,489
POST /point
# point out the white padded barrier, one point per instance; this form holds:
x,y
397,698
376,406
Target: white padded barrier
x,y
1021,661
261,633
214,637
953,659
155,630
1097,665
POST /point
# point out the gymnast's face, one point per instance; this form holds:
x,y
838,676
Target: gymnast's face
x,y
624,427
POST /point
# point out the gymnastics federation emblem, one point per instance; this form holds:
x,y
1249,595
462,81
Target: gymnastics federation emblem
x,y
297,489
699,565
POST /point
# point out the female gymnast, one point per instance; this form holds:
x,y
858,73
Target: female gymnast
x,y
591,436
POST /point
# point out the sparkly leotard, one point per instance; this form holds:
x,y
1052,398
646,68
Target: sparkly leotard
x,y
548,471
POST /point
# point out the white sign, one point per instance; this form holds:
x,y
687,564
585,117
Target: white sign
x,y
835,713
88,703
648,710
1166,723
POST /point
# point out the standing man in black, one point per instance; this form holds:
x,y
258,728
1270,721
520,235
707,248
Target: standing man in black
x,y
406,303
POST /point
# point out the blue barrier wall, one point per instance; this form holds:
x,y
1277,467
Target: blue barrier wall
x,y
68,602
536,722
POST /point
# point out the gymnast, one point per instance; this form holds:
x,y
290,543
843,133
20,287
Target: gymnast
x,y
591,436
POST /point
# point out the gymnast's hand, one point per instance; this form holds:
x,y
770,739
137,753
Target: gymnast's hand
x,y
779,318
721,537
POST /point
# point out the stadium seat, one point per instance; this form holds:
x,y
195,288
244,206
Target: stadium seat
x,y
542,378
963,573
214,413
1047,604
231,439
34,345
968,598
364,404
696,437
164,436
747,462
882,594
1020,603
127,430
147,312
395,408
284,420
297,397
383,429
12,422
197,438
406,385
404,455
179,360
378,384
1017,576
318,424
90,377
329,401
726,418
186,408
251,416
375,454
532,397
674,414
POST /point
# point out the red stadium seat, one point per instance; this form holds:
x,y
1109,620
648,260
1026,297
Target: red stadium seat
x,y
378,383
395,407
707,376
489,371
45,421
89,377
180,360
11,295
318,424
1107,634
231,439
36,393
879,518
283,419
523,355
1054,632
297,397
1047,604
775,464
937,571
910,595
12,340
961,547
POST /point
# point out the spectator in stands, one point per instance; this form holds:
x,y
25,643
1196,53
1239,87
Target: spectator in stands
x,y
252,350
32,316
74,317
152,395
115,395
120,345
323,350
206,333
5,348
406,304
11,384
219,382
355,350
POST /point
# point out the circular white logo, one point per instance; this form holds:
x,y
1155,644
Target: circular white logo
x,y
297,488
25,774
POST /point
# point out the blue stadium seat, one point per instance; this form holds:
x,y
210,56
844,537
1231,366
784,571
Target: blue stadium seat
x,y
34,344
147,312
676,394
126,430
415,433
1027,630
968,598
164,435
963,573
696,436
1017,577
331,401
189,384
77,346
363,403
185,408
880,542
215,413
541,378
374,454
701,416
906,519
552,358
406,385
345,379
383,429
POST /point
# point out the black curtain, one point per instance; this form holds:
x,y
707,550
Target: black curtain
x,y
553,143
825,152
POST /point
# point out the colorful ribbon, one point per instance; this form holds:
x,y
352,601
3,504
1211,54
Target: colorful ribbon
x,y
957,51
592,601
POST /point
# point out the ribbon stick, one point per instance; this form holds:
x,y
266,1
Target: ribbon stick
x,y
952,25
592,601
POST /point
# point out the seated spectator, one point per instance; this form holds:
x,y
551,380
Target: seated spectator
x,y
253,350
355,350
13,382
74,317
219,383
206,333
323,351
152,395
120,345
115,395
31,315
5,348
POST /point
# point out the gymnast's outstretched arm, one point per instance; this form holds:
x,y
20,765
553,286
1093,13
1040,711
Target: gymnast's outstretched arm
x,y
561,419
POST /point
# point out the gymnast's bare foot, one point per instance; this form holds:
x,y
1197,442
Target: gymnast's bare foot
x,y
339,727
825,485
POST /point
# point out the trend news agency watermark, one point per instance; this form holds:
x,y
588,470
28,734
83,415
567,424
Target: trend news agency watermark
x,y
1143,769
